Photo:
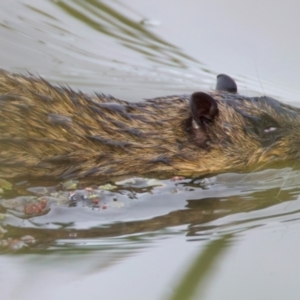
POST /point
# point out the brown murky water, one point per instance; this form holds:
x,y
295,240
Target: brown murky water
x,y
230,236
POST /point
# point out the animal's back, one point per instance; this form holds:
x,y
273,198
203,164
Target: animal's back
x,y
56,132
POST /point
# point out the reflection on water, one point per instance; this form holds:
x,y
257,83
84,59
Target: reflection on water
x,y
141,209
213,213
197,275
107,20
96,45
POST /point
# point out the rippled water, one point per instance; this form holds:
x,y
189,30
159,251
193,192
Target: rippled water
x,y
228,236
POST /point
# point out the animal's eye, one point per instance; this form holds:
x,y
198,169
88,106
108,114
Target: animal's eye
x,y
270,129
270,135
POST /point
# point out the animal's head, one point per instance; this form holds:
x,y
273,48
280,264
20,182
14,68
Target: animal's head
x,y
248,130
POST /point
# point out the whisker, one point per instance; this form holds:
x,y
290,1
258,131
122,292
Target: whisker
x,y
277,196
259,168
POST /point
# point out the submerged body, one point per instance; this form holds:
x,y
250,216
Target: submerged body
x,y
54,132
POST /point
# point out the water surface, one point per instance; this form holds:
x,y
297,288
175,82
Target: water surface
x,y
229,236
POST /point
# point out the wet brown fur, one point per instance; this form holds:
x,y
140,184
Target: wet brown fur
x,y
55,132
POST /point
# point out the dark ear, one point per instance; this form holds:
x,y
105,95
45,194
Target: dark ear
x,y
203,108
226,83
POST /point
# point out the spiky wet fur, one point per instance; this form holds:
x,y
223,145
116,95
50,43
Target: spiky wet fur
x,y
55,132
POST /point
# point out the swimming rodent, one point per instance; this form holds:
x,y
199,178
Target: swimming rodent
x,y
57,133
